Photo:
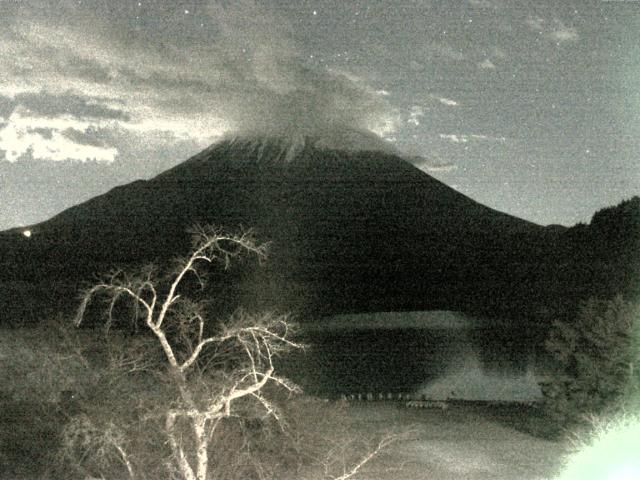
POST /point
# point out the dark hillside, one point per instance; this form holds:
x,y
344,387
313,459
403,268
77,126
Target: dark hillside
x,y
350,232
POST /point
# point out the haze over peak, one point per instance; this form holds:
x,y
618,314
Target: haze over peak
x,y
286,142
292,140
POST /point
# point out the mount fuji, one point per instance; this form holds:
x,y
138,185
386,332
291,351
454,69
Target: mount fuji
x,y
354,227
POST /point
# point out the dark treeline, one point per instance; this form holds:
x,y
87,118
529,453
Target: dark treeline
x,y
598,260
538,279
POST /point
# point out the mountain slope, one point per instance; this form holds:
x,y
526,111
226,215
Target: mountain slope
x,y
351,231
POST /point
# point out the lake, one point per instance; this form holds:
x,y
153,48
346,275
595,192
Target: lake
x,y
436,354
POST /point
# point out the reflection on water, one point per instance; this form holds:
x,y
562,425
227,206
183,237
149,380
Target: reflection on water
x,y
472,362
470,379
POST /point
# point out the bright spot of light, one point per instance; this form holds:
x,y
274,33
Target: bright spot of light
x,y
611,455
26,233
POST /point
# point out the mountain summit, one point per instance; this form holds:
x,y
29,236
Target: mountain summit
x,y
289,143
353,228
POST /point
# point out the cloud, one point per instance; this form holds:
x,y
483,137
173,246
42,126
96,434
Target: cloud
x,y
448,102
435,51
415,114
249,76
486,64
437,167
49,126
274,89
428,164
499,53
445,50
45,138
562,33
462,138
82,107
535,23
445,101
482,4
452,137
90,136
554,30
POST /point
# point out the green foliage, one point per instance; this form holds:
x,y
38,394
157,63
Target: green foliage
x,y
595,360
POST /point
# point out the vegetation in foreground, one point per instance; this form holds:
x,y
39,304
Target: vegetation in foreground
x,y
176,394
183,397
597,359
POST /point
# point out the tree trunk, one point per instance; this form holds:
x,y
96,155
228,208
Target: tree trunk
x,y
178,452
199,424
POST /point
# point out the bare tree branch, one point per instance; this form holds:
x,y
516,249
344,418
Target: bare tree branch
x,y
382,444
178,325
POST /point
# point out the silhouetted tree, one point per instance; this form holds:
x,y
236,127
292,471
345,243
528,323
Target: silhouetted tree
x,y
594,357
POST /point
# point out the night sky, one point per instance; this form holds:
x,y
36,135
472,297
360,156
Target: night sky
x,y
532,108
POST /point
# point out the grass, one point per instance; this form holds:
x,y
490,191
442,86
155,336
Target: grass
x,y
29,438
531,419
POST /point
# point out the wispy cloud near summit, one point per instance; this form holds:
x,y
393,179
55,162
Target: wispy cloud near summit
x,y
247,73
275,88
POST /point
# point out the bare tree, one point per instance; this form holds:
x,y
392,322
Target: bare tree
x,y
182,327
336,467
216,371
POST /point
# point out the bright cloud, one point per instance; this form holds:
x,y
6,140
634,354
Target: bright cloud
x,y
452,137
448,102
44,138
252,77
